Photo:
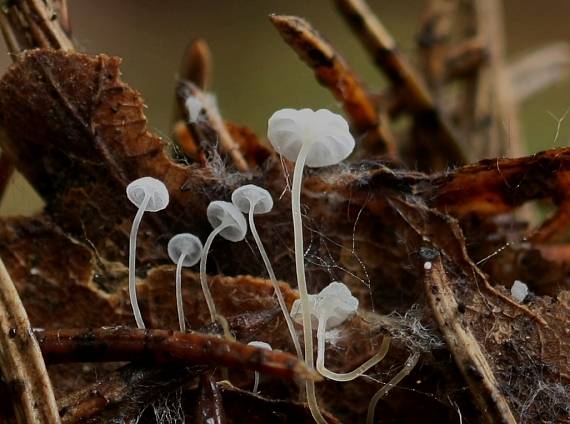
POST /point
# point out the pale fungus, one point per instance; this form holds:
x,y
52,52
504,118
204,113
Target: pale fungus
x,y
149,195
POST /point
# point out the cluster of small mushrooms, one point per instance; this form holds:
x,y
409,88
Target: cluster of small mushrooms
x,y
307,137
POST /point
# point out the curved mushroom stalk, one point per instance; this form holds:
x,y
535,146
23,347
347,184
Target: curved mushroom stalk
x,y
315,138
253,200
184,250
148,195
228,222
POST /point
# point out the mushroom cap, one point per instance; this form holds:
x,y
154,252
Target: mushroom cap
x,y
219,211
335,302
152,187
260,345
187,244
289,129
244,196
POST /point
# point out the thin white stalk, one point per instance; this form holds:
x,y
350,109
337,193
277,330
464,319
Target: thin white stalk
x,y
408,367
132,261
276,287
301,282
358,371
203,279
179,300
256,382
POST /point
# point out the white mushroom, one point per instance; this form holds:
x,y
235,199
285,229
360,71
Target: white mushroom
x,y
228,222
519,291
184,250
148,194
317,138
330,308
253,200
259,345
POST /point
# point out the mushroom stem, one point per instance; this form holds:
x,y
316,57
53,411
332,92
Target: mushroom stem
x,y
301,282
256,381
203,279
179,301
132,261
408,367
358,371
276,288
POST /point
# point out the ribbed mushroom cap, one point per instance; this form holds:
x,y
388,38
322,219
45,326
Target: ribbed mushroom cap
x,y
218,211
152,187
328,133
187,244
250,194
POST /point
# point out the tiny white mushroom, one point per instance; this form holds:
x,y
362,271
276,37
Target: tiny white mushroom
x,y
253,200
330,308
315,138
149,195
519,291
259,345
184,250
228,222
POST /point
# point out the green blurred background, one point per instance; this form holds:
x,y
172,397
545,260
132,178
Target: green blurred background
x,y
255,73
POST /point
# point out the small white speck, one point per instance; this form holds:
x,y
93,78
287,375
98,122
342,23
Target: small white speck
x,y
34,271
519,291
427,266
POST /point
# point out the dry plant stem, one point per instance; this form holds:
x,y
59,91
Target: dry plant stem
x,y
210,407
196,67
132,262
358,371
63,16
334,73
280,300
41,14
301,282
21,363
123,386
465,348
464,59
6,172
491,96
164,347
433,39
197,64
539,69
227,144
382,47
403,373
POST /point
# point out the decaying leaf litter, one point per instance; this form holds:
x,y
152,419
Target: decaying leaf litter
x,y
430,255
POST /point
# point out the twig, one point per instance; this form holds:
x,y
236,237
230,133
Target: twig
x,y
210,407
42,14
138,384
163,347
464,59
333,72
465,348
196,67
383,49
539,69
124,386
197,64
227,144
21,362
6,172
63,16
433,40
489,97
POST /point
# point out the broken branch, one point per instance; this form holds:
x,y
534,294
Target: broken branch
x,y
21,363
